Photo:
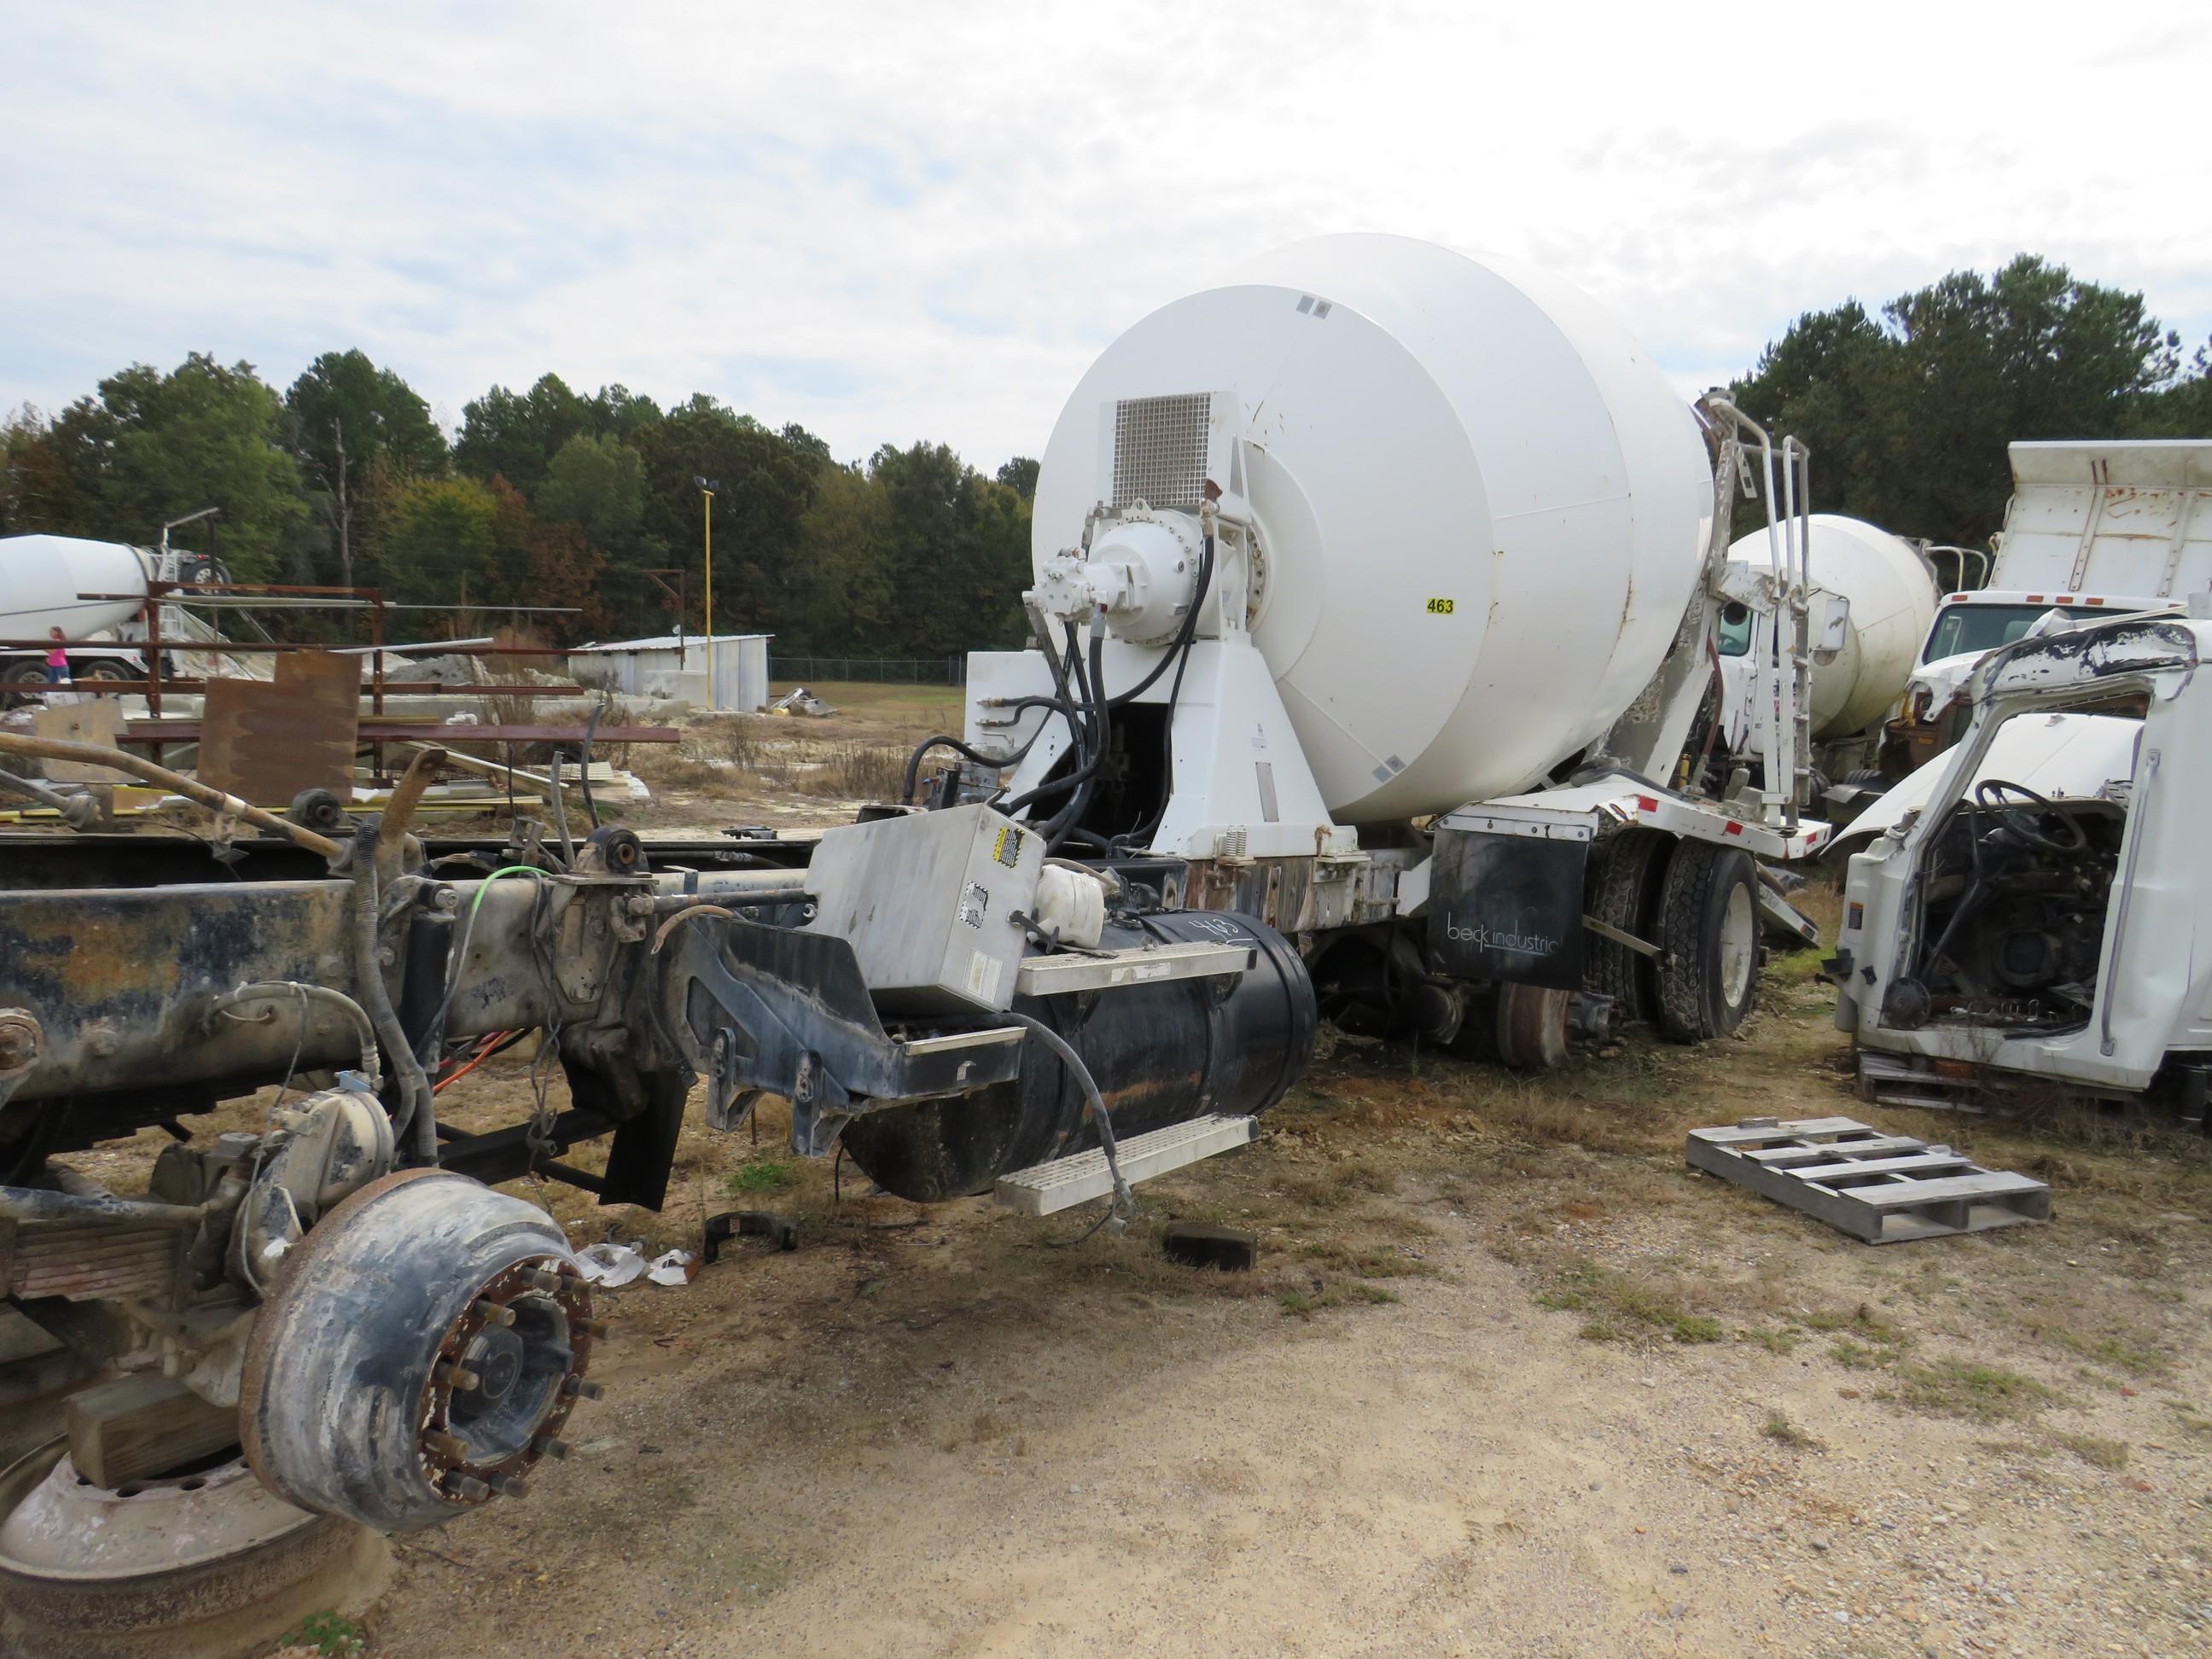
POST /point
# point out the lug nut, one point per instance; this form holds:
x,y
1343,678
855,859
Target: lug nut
x,y
456,1377
592,1327
491,1312
545,1445
576,1388
510,1485
452,1448
547,1282
467,1488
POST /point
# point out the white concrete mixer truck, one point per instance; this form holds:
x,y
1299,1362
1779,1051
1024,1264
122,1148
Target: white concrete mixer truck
x,y
44,580
1889,586
1377,596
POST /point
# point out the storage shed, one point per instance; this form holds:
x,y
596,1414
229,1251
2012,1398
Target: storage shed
x,y
672,666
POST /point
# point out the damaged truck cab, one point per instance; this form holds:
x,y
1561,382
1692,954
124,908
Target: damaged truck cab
x,y
2039,915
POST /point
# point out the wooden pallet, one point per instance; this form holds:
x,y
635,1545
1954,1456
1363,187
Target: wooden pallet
x,y
1882,1188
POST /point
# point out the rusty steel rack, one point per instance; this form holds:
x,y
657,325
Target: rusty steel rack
x,y
374,731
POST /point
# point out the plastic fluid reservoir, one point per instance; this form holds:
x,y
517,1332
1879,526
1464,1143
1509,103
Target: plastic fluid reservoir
x,y
1482,507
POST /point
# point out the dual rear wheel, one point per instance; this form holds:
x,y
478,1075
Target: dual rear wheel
x,y
1698,902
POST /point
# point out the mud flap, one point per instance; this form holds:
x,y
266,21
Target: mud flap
x,y
1508,907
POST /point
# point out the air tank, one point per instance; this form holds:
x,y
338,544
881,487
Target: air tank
x,y
40,577
1892,597
1481,505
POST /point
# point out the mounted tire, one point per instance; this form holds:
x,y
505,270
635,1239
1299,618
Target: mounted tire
x,y
1708,925
1623,893
419,1351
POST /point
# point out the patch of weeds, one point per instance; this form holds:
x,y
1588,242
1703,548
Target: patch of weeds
x,y
1776,1341
1297,1303
1779,1428
1963,1388
1858,1355
2097,1450
2138,1361
1861,1322
2186,1413
328,1634
1360,1292
763,1176
1599,1330
1369,1263
1590,1288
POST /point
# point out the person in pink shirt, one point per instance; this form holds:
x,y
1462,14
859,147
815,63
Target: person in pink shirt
x,y
57,662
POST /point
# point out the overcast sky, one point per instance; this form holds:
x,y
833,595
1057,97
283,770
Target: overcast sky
x,y
898,221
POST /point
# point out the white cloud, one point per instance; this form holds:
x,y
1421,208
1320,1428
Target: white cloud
x,y
896,222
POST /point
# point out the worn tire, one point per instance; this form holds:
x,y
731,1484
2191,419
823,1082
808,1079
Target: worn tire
x,y
1622,888
1708,925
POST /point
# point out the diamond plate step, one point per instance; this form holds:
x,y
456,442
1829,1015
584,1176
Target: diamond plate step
x,y
1043,1188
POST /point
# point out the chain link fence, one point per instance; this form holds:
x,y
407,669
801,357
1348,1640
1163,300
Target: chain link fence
x,y
786,670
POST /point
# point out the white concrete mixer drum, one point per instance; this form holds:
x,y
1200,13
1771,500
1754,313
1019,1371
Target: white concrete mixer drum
x,y
1482,507
1893,596
42,575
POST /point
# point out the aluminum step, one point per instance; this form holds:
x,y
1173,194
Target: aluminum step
x,y
1043,1188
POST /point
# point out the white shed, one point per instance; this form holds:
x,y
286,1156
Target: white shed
x,y
672,666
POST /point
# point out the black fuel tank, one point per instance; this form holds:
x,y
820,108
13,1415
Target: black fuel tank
x,y
1160,1054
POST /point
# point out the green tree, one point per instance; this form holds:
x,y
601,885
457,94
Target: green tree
x,y
597,484
150,447
515,434
2183,409
763,485
351,418
36,491
845,548
1908,418
959,551
432,531
1020,475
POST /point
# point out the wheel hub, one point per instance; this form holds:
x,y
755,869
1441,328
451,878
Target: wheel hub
x,y
423,1351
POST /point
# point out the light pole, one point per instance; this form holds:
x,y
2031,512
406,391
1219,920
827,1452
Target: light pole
x,y
706,488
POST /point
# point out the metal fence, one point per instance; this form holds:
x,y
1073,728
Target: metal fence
x,y
889,670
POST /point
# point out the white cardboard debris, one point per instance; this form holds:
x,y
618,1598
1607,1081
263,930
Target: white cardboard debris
x,y
616,1265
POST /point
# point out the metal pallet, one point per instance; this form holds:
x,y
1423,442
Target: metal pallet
x,y
1895,1080
1882,1188
1042,1188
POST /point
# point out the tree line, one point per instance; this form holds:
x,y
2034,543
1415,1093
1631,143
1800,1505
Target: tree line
x,y
549,497
1908,408
544,497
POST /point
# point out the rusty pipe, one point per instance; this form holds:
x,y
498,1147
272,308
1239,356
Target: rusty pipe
x,y
399,812
200,794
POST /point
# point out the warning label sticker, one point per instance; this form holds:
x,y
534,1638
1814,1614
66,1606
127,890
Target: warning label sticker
x,y
974,902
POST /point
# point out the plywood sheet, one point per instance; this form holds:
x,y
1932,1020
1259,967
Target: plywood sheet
x,y
266,741
97,721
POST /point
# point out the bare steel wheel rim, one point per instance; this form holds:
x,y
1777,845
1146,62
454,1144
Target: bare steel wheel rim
x,y
1739,945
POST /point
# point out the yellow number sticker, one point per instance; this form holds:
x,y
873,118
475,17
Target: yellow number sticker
x,y
1440,607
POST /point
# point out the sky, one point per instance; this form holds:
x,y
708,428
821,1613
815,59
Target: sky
x,y
892,221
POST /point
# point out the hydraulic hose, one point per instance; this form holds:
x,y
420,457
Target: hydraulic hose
x,y
1125,1201
417,1107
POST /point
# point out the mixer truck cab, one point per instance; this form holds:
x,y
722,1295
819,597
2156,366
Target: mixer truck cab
x,y
2093,529
1375,597
1875,595
2032,907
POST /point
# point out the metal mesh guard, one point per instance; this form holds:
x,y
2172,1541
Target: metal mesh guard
x,y
1159,449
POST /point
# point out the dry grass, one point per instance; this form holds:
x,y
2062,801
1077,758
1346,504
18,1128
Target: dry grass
x,y
858,771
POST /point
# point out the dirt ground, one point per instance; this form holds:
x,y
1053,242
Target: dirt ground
x,y
1510,1379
